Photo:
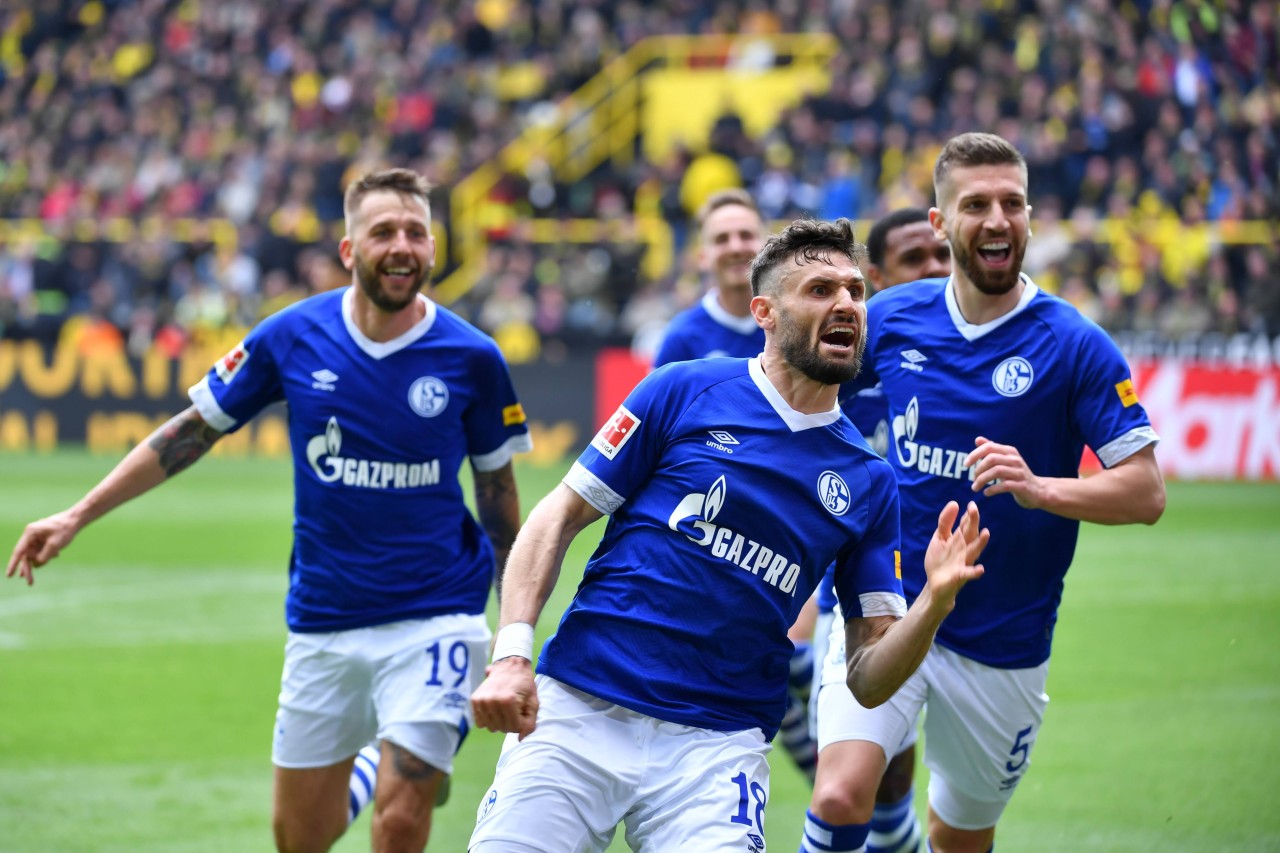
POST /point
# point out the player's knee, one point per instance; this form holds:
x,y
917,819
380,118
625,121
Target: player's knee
x,y
399,827
841,798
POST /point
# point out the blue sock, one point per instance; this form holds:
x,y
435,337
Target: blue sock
x,y
823,837
894,827
364,778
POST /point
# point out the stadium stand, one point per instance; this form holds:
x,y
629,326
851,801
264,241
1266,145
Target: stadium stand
x,y
171,169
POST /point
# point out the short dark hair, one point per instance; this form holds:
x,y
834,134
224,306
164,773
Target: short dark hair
x,y
878,236
810,240
724,198
403,181
974,149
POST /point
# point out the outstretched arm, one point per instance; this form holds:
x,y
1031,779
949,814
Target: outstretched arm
x,y
883,652
507,700
1129,492
170,449
498,505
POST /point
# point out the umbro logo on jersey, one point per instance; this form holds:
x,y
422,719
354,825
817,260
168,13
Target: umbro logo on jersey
x,y
324,379
912,360
722,438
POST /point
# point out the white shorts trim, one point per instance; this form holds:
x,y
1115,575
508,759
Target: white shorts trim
x,y
409,682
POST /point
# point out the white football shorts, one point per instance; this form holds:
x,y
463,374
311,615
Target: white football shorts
x,y
828,626
408,682
979,729
590,765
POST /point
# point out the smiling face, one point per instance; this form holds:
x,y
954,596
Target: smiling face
x,y
912,252
389,248
817,315
731,237
984,215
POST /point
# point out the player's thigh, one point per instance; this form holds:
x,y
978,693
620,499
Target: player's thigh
x,y
325,712
842,718
423,680
703,790
565,787
979,731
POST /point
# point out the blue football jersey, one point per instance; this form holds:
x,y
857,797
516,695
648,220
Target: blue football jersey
x,y
378,431
708,331
1043,379
726,507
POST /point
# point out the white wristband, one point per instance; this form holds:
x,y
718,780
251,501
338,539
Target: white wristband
x,y
514,640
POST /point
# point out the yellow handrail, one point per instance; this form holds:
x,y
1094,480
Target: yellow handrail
x,y
597,123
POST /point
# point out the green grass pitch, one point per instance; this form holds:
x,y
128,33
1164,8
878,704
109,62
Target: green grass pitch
x,y
138,677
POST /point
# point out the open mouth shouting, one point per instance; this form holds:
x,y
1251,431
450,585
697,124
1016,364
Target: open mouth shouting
x,y
996,253
841,337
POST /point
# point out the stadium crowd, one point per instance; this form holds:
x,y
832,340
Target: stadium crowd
x,y
1149,127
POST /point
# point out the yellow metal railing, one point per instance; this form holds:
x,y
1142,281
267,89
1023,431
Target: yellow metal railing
x,y
599,122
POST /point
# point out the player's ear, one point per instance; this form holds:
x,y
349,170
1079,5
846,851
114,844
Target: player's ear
x,y
1028,220
874,276
348,259
939,223
762,310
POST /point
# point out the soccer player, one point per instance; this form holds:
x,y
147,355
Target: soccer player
x,y
731,485
730,232
994,389
387,393
721,324
901,247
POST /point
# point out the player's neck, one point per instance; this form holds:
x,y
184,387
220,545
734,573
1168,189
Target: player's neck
x,y
379,325
980,308
807,396
735,300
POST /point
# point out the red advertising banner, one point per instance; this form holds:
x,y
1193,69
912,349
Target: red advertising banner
x,y
1215,421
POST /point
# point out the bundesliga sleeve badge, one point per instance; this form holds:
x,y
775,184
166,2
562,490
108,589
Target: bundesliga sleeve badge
x,y
229,365
615,433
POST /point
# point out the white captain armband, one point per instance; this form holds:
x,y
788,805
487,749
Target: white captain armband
x,y
514,640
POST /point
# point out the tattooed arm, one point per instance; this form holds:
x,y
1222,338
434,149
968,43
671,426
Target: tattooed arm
x,y
498,506
170,449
